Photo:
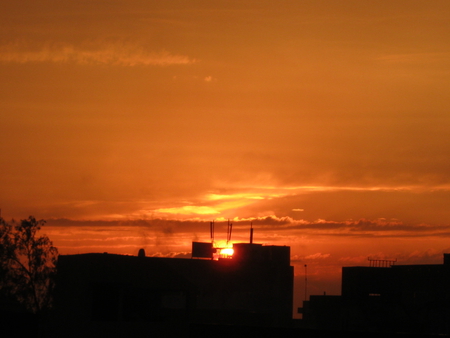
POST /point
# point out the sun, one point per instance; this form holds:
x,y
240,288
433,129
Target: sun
x,y
227,252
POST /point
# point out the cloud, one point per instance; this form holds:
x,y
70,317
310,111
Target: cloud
x,y
318,255
189,210
363,227
216,197
380,227
106,53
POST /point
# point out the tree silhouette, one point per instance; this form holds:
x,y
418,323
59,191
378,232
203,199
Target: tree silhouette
x,y
27,263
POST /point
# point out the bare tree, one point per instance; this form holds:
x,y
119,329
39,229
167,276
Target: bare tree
x,y
27,263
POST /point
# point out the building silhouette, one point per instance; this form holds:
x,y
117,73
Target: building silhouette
x,y
112,295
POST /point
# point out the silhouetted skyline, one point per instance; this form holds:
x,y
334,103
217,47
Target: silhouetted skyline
x,y
133,124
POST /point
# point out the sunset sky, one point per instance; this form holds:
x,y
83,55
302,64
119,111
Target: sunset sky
x,y
134,123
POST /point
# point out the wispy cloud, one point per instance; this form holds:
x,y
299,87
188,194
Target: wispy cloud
x,y
105,53
189,210
379,228
317,255
215,197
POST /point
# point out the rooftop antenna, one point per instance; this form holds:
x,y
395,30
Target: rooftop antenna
x,y
381,263
229,229
251,232
306,283
211,229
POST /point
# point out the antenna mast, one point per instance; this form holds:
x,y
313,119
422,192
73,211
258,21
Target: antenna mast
x,y
229,229
211,229
306,283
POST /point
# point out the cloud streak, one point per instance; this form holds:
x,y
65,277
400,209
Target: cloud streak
x,y
109,53
266,227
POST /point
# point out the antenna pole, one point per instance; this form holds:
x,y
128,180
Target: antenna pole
x,y
306,282
229,228
251,232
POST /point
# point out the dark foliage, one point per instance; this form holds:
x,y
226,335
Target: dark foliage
x,y
27,263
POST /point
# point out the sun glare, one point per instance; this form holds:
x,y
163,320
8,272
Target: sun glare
x,y
223,250
227,252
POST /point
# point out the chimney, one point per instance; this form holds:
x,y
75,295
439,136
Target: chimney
x,y
141,253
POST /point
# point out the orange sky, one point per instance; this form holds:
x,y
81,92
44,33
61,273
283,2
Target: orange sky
x,y
125,123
